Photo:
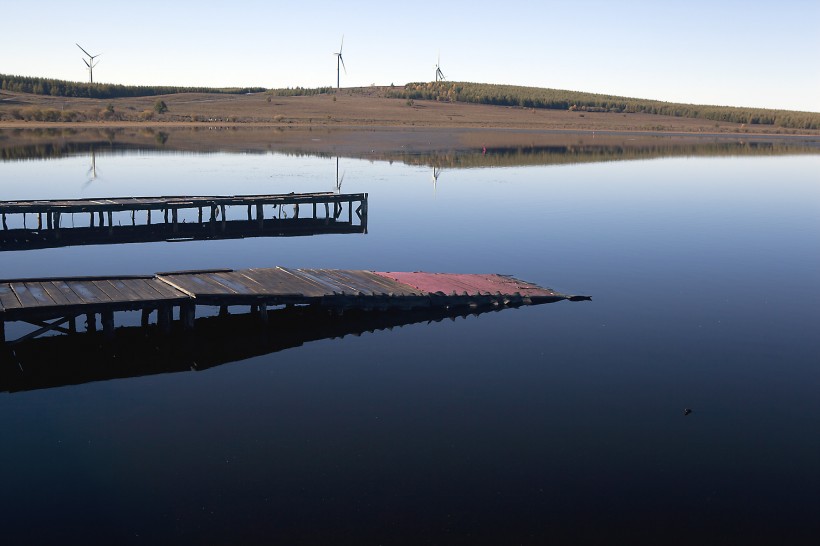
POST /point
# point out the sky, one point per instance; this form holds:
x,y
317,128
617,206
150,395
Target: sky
x,y
729,53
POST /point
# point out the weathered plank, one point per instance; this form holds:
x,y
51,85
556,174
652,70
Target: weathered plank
x,y
88,292
27,299
67,292
55,293
8,299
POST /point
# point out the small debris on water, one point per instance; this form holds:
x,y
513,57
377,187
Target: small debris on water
x,y
687,411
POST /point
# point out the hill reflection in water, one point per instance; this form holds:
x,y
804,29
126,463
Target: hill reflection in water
x,y
459,148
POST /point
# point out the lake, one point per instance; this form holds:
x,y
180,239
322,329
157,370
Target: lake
x,y
556,423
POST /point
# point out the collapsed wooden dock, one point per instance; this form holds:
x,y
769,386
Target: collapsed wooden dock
x,y
166,300
27,225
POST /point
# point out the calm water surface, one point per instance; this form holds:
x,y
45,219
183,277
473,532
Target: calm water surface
x,y
560,422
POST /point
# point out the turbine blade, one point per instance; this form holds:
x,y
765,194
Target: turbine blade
x,y
81,47
343,62
343,43
86,63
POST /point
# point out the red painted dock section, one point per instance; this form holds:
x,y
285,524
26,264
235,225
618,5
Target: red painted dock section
x,y
468,284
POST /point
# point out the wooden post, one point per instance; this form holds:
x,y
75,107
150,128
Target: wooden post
x,y
4,222
102,222
222,209
200,214
110,222
146,315
48,220
223,310
249,213
2,330
314,210
165,214
263,313
108,323
91,222
91,322
174,219
39,220
72,325
133,217
164,318
260,216
149,217
187,315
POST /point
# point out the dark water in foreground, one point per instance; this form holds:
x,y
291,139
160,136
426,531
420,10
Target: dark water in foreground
x,y
560,423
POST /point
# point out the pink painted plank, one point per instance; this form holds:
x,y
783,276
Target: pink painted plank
x,y
473,284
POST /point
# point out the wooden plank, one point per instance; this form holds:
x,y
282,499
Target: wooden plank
x,y
26,298
238,281
351,284
109,290
272,282
202,284
187,284
320,283
88,292
55,293
8,299
388,286
282,282
231,280
125,289
36,290
144,289
67,292
166,292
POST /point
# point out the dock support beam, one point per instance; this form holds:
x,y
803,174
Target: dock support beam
x,y
187,314
164,318
108,323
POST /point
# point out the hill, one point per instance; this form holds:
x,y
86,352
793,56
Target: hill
x,y
442,104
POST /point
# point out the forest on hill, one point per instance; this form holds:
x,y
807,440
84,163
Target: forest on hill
x,y
535,97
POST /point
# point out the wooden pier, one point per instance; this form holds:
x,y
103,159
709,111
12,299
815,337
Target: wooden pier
x,y
54,223
52,305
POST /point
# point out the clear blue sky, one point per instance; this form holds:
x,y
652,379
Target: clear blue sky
x,y
738,53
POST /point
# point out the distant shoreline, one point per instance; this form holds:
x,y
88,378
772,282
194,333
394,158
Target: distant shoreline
x,y
353,122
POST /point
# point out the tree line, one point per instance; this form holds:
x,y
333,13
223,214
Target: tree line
x,y
557,99
62,88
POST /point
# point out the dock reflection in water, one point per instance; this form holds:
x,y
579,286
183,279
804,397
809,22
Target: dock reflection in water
x,y
134,351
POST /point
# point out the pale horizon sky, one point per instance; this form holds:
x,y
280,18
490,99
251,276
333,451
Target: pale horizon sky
x,y
732,53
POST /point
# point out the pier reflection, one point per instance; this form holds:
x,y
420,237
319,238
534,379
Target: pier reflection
x,y
136,351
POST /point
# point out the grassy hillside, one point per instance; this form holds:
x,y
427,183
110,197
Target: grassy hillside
x,y
533,97
443,93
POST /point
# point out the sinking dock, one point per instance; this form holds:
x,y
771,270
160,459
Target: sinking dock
x,y
27,225
167,300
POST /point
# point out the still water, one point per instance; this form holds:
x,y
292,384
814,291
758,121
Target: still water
x,y
559,422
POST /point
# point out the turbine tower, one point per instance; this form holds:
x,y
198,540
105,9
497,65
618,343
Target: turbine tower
x,y
338,61
439,73
90,62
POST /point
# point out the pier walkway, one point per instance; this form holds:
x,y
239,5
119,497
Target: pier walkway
x,y
54,304
26,225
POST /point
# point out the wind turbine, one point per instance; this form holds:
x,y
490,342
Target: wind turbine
x,y
439,73
338,61
90,62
